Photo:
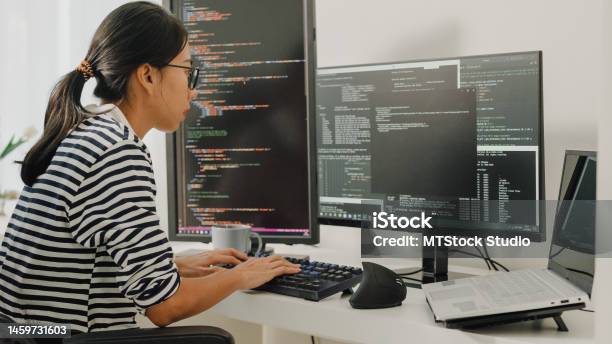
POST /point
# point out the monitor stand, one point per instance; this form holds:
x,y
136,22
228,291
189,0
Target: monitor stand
x,y
435,268
435,264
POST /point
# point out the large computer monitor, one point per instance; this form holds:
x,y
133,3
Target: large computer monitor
x,y
246,151
460,138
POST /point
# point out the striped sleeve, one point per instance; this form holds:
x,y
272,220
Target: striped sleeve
x,y
114,209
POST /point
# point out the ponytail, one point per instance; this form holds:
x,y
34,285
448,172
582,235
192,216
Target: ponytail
x,y
64,112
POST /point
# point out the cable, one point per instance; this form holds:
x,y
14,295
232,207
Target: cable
x,y
410,273
488,257
487,260
410,278
581,272
587,310
483,257
494,262
500,265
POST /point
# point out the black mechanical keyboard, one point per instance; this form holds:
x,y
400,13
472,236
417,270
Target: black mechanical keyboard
x,y
316,281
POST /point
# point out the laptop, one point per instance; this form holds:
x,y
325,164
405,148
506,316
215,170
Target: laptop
x,y
567,281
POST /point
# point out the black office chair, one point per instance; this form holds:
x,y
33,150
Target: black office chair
x,y
168,335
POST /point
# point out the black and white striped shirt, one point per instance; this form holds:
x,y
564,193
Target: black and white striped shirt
x,y
84,245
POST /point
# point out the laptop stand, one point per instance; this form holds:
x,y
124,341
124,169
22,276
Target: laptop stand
x,y
507,318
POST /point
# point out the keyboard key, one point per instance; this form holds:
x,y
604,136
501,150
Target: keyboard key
x,y
308,286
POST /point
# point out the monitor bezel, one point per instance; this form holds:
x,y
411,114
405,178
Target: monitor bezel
x,y
538,236
311,65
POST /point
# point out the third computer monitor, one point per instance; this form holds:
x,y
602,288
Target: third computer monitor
x,y
460,138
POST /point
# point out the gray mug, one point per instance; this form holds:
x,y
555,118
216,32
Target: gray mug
x,y
234,236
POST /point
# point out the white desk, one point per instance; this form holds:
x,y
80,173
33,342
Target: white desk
x,y
333,318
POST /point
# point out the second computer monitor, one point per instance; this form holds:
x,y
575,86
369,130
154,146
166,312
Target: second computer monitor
x,y
460,138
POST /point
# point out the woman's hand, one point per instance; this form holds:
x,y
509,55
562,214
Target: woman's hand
x,y
202,264
257,271
195,295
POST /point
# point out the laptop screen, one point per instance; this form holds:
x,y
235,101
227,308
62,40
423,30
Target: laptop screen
x,y
572,253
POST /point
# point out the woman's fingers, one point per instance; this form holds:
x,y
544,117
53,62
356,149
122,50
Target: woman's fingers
x,y
282,270
211,270
232,252
273,258
270,264
225,259
277,263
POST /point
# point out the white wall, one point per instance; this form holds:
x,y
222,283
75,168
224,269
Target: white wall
x,y
29,40
40,40
603,266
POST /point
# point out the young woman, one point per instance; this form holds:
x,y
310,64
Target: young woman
x,y
84,245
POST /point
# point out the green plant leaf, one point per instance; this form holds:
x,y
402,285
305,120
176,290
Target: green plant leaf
x,y
11,146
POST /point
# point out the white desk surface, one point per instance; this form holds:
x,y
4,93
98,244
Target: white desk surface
x,y
333,317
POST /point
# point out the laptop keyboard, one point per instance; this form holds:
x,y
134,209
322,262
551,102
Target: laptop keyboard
x,y
520,286
552,279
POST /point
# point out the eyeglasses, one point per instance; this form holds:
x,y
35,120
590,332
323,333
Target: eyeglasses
x,y
193,76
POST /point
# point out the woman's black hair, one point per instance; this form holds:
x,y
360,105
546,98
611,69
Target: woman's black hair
x,y
131,35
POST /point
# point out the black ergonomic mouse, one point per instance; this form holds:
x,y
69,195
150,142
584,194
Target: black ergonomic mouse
x,y
379,288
